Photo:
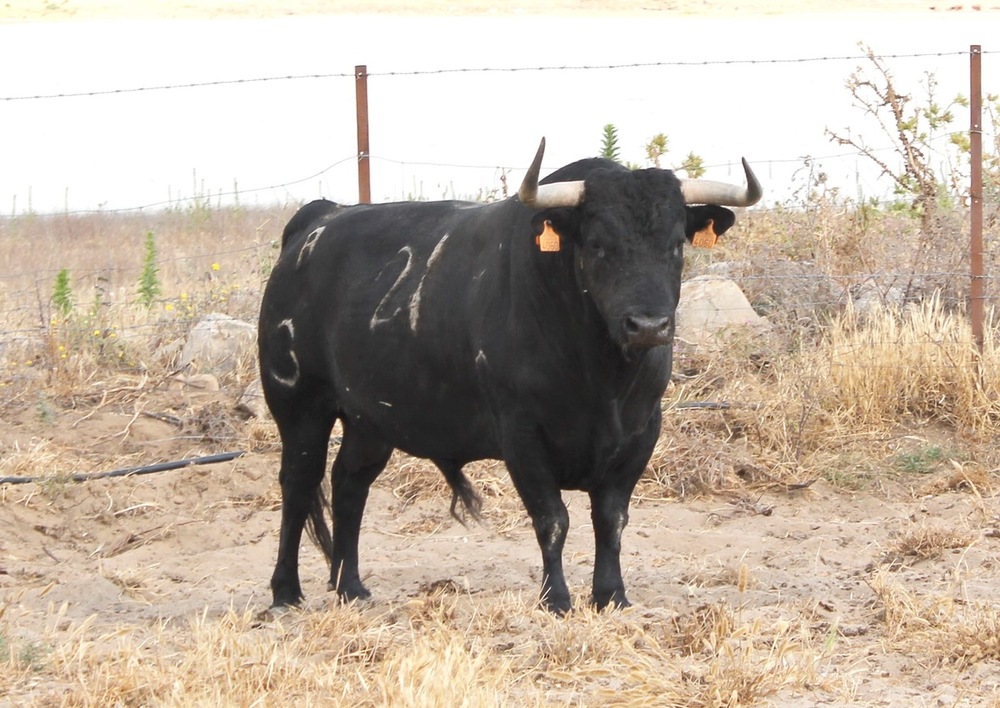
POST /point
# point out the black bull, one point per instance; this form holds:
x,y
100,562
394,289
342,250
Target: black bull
x,y
536,330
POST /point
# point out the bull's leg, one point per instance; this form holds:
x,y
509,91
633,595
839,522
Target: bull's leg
x,y
551,522
361,459
539,491
609,511
303,463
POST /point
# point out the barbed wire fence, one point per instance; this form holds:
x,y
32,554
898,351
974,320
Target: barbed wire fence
x,y
25,288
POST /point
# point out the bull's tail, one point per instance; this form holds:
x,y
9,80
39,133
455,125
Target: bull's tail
x,y
317,529
462,492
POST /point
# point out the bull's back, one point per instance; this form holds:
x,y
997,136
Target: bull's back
x,y
374,303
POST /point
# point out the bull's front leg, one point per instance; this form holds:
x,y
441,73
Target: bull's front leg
x,y
609,504
609,512
542,499
551,522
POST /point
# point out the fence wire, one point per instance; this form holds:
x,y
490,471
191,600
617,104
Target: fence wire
x,y
478,70
31,287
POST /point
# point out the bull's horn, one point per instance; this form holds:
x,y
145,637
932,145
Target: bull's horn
x,y
702,191
548,196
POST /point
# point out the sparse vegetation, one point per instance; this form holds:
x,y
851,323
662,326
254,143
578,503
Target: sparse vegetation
x,y
62,294
853,395
868,401
149,284
609,144
655,149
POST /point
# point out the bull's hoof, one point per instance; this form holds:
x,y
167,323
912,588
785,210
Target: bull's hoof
x,y
559,606
350,591
615,600
285,598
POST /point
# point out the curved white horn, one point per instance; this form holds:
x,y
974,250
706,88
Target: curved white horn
x,y
702,191
547,196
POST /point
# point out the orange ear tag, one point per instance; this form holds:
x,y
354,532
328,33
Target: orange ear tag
x,y
706,238
548,241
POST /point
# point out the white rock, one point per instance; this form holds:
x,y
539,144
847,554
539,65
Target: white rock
x,y
252,402
217,344
710,309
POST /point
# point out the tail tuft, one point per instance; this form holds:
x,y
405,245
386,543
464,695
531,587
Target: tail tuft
x,y
462,492
317,529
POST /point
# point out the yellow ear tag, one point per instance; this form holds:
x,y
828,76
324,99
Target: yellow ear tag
x,y
706,238
548,240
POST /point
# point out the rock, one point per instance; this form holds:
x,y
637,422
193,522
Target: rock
x,y
217,345
711,308
169,351
783,290
869,298
252,404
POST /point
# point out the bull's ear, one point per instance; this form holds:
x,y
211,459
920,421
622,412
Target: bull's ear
x,y
708,216
565,222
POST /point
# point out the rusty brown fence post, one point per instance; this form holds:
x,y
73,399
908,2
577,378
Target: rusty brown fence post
x,y
977,294
364,162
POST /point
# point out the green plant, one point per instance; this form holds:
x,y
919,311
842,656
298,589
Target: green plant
x,y
927,166
44,410
694,165
149,284
656,148
29,655
62,294
912,128
609,144
923,460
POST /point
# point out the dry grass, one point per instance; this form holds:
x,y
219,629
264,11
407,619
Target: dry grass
x,y
924,542
209,260
899,395
921,361
439,650
940,628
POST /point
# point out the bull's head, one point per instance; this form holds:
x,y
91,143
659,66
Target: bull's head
x,y
628,229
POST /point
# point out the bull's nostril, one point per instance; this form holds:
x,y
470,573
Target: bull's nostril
x,y
648,331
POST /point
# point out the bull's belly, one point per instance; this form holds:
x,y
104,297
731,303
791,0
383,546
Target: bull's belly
x,y
449,431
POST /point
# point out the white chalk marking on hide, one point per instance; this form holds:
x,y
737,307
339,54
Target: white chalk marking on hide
x,y
415,300
289,381
619,525
376,319
481,359
309,245
558,532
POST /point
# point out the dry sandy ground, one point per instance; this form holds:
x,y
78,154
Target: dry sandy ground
x,y
143,549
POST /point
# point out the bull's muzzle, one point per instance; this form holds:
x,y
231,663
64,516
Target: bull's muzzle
x,y
642,332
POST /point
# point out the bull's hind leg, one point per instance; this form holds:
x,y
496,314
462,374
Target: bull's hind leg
x,y
361,459
304,441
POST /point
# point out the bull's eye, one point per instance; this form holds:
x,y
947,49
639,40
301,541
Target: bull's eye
x,y
596,249
678,251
